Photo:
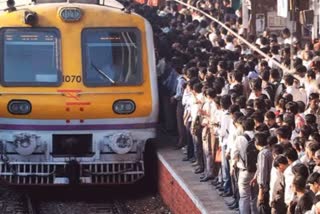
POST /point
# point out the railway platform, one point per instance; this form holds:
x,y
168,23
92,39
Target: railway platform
x,y
180,188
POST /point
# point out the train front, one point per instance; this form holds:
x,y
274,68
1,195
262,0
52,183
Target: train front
x,y
78,94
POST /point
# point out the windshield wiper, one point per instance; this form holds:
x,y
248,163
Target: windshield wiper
x,y
102,73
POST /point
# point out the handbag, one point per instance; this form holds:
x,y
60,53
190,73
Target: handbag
x,y
218,155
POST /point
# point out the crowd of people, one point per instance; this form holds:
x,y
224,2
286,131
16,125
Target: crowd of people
x,y
248,126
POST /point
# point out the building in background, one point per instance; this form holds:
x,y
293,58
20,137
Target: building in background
x,y
300,16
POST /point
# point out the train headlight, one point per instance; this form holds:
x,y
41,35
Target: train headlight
x,y
25,144
124,106
121,143
30,18
19,107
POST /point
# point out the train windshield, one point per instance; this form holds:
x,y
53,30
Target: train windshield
x,y
30,57
111,56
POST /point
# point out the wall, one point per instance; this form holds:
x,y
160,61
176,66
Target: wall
x,y
173,194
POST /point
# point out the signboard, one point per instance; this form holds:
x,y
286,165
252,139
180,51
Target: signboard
x,y
276,22
282,8
260,22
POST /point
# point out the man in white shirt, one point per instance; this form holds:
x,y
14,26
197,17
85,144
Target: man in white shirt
x,y
291,88
292,157
248,193
223,139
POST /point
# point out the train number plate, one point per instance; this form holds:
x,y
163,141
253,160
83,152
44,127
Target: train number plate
x,y
61,180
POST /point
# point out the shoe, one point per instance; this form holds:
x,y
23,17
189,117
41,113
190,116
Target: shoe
x,y
185,159
215,182
220,188
226,194
198,171
235,206
205,179
184,148
231,203
192,160
177,147
195,164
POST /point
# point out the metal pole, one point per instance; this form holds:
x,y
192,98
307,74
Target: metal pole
x,y
253,16
292,9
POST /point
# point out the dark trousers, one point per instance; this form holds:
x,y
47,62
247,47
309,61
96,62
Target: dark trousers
x,y
190,148
180,125
198,150
263,207
234,181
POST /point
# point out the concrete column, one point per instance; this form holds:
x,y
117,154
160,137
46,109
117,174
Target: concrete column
x,y
314,5
245,14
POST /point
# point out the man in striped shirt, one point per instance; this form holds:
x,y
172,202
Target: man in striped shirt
x,y
264,164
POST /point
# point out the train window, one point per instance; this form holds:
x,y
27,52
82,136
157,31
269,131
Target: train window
x,y
30,57
111,56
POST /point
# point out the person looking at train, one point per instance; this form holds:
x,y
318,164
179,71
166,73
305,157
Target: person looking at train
x,y
248,193
207,141
177,99
196,128
223,139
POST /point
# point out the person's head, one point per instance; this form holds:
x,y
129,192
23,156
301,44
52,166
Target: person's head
x,y
233,109
314,100
260,140
311,75
197,88
311,148
259,104
270,118
272,140
225,102
288,80
301,106
289,120
317,157
258,118
277,150
286,33
241,101
310,119
299,144
300,169
280,162
211,94
291,154
314,182
298,184
248,124
275,75
305,131
283,134
279,119
292,107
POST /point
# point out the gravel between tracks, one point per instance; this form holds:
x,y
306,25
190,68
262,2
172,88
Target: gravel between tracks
x,y
147,205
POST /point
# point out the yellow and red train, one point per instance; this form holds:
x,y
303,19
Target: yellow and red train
x,y
78,93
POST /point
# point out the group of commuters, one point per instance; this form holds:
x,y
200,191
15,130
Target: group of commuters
x,y
248,126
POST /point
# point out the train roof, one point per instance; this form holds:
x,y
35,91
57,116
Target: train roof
x,y
22,3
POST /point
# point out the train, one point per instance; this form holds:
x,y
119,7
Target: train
x,y
78,93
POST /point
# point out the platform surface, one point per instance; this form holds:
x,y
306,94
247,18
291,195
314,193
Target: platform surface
x,y
203,194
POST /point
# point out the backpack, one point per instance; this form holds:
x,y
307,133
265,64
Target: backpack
x,y
251,155
271,91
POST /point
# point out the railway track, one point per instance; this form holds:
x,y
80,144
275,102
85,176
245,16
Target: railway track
x,y
16,202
